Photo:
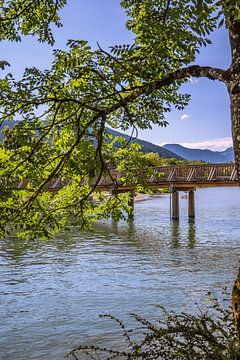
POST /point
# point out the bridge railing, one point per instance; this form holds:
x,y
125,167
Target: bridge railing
x,y
195,173
183,173
198,174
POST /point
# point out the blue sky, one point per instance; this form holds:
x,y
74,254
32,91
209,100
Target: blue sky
x,y
205,123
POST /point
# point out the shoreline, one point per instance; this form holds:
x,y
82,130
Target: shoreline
x,y
142,197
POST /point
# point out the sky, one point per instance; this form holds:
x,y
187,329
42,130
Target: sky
x,y
204,123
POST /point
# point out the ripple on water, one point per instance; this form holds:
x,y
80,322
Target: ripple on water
x,y
52,293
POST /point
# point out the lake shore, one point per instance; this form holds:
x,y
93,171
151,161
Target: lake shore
x,y
144,197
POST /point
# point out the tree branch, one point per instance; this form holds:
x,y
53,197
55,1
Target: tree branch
x,y
180,74
18,13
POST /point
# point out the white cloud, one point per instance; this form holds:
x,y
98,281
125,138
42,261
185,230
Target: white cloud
x,y
193,80
220,144
214,144
185,117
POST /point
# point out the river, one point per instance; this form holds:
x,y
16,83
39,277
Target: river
x,y
52,293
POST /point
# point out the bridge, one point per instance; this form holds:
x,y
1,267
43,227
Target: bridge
x,y
181,176
177,178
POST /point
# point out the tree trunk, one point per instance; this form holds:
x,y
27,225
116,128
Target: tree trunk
x,y
235,114
234,85
236,306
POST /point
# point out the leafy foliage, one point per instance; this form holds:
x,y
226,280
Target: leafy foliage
x,y
61,133
29,17
169,33
62,113
209,335
153,159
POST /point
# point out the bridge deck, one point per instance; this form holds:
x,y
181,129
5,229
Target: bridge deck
x,y
180,177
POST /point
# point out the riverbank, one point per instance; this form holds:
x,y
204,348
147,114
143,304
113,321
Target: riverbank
x,y
142,197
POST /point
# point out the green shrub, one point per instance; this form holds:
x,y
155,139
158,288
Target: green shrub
x,y
209,335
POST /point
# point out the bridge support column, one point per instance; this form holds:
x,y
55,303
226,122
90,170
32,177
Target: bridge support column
x,y
175,205
131,205
191,204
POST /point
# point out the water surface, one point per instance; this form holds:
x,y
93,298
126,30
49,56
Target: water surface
x,y
52,293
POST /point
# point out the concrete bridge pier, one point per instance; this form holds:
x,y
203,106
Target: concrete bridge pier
x,y
131,205
175,202
175,205
191,204
131,192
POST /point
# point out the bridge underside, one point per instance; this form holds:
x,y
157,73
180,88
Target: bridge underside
x,y
184,186
185,178
174,189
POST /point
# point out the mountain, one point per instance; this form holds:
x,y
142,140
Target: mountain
x,y
147,147
198,154
228,154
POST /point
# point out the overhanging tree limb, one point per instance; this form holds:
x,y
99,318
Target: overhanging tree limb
x,y
180,74
132,86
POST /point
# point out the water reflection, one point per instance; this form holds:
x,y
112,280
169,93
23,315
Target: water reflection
x,y
114,225
13,248
131,228
181,235
130,233
175,234
191,233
